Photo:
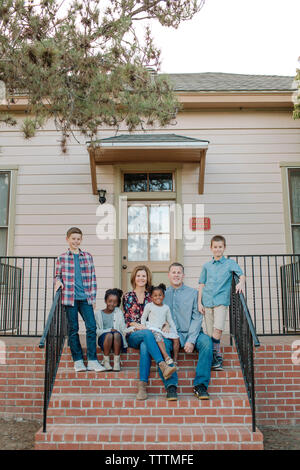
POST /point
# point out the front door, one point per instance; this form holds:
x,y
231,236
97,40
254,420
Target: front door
x,y
150,240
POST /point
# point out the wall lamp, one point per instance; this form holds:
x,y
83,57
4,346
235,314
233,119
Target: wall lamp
x,y
102,193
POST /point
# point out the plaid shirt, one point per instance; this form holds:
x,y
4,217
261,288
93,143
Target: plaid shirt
x,y
65,272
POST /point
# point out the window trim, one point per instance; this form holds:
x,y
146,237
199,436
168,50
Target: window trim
x,y
285,167
13,170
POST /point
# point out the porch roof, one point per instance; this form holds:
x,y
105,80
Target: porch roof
x,y
134,148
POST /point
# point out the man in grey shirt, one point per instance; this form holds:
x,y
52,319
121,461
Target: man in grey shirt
x,y
183,303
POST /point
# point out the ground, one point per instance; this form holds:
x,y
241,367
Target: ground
x,y
19,435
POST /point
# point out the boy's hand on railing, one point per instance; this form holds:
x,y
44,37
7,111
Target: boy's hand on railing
x,y
239,288
57,285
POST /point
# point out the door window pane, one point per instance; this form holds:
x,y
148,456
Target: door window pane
x,y
137,219
4,192
137,248
135,182
159,219
160,247
160,182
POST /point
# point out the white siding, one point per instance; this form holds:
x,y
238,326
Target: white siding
x,y
243,187
242,196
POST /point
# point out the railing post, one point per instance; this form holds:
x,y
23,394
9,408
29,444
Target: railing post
x,y
46,387
243,331
54,338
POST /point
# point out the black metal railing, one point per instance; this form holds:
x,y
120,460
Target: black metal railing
x,y
26,294
10,297
290,282
243,332
53,340
272,292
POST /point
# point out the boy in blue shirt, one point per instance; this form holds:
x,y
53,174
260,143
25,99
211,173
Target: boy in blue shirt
x,y
214,294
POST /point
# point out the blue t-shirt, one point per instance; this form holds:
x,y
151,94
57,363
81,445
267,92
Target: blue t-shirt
x,y
79,289
108,320
216,276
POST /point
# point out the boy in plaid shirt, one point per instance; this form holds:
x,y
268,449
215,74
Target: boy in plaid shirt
x,y
75,274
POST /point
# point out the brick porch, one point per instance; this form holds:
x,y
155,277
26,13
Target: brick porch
x,y
92,410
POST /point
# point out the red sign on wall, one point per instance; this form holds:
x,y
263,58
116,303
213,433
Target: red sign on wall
x,y
199,223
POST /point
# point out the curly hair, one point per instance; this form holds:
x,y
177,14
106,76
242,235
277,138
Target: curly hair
x,y
161,287
117,292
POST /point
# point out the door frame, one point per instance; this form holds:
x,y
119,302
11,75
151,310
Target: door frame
x,y
175,196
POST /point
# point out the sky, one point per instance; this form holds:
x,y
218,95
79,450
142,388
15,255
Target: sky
x,y
234,36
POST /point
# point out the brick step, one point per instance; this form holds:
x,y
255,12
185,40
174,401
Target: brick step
x,y
268,371
131,358
94,409
149,437
124,382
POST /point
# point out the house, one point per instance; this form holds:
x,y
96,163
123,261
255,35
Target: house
x,y
230,165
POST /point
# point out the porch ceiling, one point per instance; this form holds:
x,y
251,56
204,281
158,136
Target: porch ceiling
x,y
150,148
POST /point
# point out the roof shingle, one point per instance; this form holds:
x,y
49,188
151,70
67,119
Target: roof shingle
x,y
149,138
212,81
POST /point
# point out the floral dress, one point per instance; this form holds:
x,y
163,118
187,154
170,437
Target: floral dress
x,y
133,310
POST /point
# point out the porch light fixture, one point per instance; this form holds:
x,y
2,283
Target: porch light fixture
x,y
102,193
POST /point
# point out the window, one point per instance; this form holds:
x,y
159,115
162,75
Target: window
x,y
148,182
4,210
294,190
149,232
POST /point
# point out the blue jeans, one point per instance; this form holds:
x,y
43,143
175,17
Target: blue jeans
x,y
203,370
145,342
87,313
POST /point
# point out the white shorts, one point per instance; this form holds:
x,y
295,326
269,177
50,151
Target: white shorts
x,y
215,318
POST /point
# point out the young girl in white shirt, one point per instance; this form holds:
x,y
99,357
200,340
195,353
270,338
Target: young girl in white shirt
x,y
111,329
157,318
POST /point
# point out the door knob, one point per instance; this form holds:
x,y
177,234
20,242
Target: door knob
x,y
124,266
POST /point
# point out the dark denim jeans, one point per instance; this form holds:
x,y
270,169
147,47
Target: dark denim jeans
x,y
203,370
87,313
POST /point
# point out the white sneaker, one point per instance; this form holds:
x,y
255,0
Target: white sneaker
x,y
79,366
105,363
95,365
117,366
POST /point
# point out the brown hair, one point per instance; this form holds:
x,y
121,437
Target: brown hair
x,y
176,264
73,230
141,268
218,238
